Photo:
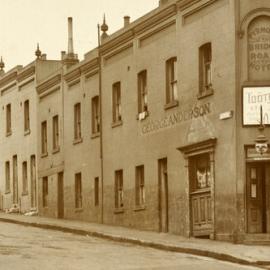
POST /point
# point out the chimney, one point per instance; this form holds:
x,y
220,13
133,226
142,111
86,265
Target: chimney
x,y
70,36
126,21
43,56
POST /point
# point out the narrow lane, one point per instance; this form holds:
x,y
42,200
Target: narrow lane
x,y
28,248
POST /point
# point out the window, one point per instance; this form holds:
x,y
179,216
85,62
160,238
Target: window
x,y
55,133
96,191
205,76
117,102
119,202
45,191
95,115
171,81
77,121
139,185
26,117
8,119
44,138
142,93
78,190
24,178
7,168
200,171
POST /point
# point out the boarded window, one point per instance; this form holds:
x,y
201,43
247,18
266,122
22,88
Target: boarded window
x,y
119,194
78,190
140,190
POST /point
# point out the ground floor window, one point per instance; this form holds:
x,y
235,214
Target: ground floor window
x,y
119,193
45,191
139,186
78,190
96,191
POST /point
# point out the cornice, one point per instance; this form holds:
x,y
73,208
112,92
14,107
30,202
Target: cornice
x,y
8,79
72,75
89,66
26,73
41,88
158,18
119,50
184,4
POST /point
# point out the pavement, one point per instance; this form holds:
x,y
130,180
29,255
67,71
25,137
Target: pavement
x,y
236,253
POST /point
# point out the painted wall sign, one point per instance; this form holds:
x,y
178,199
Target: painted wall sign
x,y
253,99
259,48
176,118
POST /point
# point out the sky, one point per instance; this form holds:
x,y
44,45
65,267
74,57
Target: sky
x,y
24,23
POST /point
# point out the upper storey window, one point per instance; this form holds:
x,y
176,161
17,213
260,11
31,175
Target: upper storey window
x,y
26,117
95,115
77,122
205,70
8,120
142,94
171,83
116,98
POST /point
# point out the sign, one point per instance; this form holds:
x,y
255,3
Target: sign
x,y
175,118
259,48
253,99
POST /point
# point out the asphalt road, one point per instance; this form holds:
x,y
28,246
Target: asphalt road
x,y
28,248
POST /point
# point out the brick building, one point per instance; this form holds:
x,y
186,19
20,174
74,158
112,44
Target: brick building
x,y
157,128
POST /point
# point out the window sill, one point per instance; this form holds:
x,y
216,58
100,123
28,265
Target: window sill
x,y
142,115
56,150
44,155
27,132
139,208
119,210
171,104
7,192
25,193
78,210
8,133
205,93
117,123
76,141
95,135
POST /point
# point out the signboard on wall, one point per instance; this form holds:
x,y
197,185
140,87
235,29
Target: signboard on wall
x,y
253,99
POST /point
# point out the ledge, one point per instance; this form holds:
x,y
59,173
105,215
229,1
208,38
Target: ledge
x,y
78,210
27,132
172,104
44,155
139,208
25,193
56,150
76,141
7,192
117,123
95,135
8,133
206,93
119,210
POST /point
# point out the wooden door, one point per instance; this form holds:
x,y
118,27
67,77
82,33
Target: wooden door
x,y
60,198
255,193
163,195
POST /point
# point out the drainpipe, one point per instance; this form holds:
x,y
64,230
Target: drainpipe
x,y
100,125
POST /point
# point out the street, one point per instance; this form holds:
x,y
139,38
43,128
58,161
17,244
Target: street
x,y
28,248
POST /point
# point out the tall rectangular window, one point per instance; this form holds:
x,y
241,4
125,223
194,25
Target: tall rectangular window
x,y
116,95
8,119
96,191
78,190
77,121
7,169
205,74
26,116
142,92
45,191
171,80
119,193
139,185
55,133
95,115
44,149
24,178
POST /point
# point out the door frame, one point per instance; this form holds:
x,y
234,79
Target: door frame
x,y
60,195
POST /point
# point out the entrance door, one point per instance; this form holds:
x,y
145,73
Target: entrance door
x,y
60,198
163,195
256,197
15,180
33,182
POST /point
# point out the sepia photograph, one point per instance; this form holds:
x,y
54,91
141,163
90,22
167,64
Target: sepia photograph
x,y
134,135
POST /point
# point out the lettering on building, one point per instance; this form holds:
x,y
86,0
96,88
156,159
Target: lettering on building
x,y
176,117
259,48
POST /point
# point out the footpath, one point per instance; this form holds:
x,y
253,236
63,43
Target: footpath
x,y
236,253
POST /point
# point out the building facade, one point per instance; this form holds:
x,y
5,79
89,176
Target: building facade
x,y
162,127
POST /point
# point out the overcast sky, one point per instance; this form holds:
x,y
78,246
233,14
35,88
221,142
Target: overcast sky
x,y
23,23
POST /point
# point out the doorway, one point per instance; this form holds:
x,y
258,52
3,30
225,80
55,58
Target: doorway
x,y
163,195
257,197
60,197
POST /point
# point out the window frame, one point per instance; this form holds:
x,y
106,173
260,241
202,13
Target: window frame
x,y
24,178
8,120
26,107
45,191
77,123
95,115
78,190
44,138
116,104
140,186
119,190
142,93
55,133
7,177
